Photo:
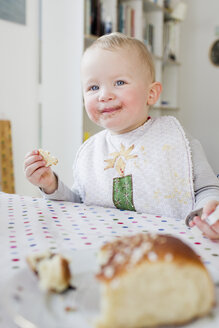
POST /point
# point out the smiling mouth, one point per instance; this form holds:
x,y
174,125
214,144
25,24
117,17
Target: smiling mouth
x,y
110,109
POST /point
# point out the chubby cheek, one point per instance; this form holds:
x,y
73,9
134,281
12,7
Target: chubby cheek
x,y
129,99
91,109
133,100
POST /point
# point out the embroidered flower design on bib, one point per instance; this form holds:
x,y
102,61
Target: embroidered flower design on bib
x,y
119,159
122,185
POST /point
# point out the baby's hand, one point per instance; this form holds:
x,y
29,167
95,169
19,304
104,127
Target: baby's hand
x,y
211,231
38,174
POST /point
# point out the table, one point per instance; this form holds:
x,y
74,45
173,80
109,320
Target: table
x,y
30,225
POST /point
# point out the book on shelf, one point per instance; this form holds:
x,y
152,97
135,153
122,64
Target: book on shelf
x,y
93,18
171,46
87,21
132,22
149,37
121,18
97,22
126,19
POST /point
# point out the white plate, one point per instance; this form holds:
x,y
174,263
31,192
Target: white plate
x,y
29,307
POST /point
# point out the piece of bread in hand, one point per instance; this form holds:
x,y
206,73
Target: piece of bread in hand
x,y
151,280
50,160
52,270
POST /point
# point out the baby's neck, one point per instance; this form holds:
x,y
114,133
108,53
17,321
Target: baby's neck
x,y
112,132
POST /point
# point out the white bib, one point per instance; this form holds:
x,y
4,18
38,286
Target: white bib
x,y
147,170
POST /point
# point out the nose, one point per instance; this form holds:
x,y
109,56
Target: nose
x,y
106,94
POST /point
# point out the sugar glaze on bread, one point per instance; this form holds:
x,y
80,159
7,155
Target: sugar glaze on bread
x,y
149,280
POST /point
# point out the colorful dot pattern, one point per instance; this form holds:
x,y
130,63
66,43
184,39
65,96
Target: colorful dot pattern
x,y
31,225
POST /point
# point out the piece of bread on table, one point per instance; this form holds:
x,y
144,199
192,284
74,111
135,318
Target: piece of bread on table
x,y
50,160
52,270
151,280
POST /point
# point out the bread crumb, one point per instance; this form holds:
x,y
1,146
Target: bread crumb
x,y
50,160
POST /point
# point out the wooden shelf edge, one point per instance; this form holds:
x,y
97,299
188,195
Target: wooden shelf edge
x,y
170,62
156,57
165,107
152,6
91,37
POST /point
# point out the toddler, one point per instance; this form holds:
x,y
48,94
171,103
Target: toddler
x,y
136,163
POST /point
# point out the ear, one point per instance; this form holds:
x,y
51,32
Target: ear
x,y
154,93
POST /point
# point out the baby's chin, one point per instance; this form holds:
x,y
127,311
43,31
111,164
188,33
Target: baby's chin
x,y
113,127
120,128
116,125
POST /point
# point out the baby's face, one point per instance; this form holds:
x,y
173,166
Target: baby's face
x,y
115,88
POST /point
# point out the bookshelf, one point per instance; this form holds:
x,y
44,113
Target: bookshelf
x,y
150,21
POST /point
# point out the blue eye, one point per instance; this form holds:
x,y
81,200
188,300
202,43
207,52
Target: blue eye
x,y
120,82
94,87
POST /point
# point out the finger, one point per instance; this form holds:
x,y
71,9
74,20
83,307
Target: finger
x,y
33,152
205,228
41,172
215,227
30,170
191,224
32,159
209,208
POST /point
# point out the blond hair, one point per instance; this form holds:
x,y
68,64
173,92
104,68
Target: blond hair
x,y
116,40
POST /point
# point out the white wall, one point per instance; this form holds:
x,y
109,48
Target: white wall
x,y
62,47
62,31
18,87
199,79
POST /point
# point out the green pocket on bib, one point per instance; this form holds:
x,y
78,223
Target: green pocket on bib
x,y
123,193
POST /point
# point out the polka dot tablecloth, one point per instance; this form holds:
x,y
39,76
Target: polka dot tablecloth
x,y
30,225
34,224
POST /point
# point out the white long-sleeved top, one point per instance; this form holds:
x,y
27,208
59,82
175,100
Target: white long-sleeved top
x,y
102,145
